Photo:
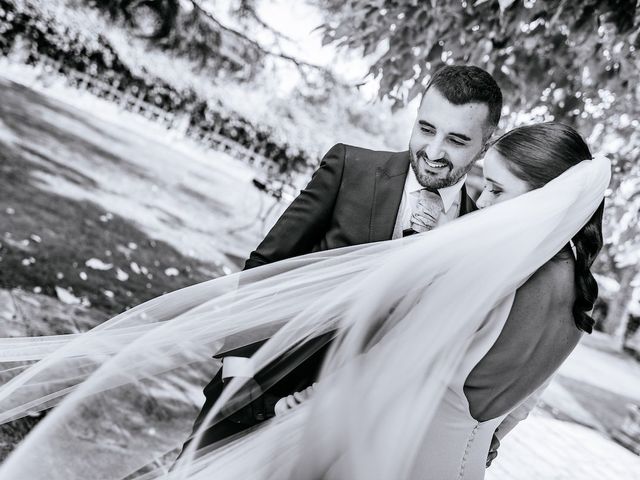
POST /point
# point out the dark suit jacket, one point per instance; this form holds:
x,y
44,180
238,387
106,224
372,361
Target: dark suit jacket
x,y
353,198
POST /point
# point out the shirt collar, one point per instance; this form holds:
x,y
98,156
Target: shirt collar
x,y
449,195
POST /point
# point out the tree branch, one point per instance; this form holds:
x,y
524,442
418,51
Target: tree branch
x,y
300,64
247,9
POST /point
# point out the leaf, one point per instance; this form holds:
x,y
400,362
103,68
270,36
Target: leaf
x,y
504,4
435,53
327,38
97,264
122,275
415,90
65,296
634,39
172,272
369,48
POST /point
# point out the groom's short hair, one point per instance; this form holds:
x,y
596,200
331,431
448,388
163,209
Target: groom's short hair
x,y
461,84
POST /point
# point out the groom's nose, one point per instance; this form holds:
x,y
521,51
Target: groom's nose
x,y
434,149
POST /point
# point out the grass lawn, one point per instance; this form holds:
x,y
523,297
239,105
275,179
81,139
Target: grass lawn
x,y
47,240
84,210
609,408
107,215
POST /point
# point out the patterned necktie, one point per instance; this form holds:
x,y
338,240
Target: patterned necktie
x,y
426,213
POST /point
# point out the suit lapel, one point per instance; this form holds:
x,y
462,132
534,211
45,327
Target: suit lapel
x,y
387,195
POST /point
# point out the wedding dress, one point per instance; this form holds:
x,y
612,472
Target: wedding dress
x,y
413,315
457,445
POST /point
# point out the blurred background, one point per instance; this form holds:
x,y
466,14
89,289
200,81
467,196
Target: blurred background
x,y
147,145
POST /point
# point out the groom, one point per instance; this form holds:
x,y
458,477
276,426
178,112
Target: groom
x,y
359,196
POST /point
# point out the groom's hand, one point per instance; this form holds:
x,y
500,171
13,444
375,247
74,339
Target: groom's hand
x,y
493,450
292,401
425,215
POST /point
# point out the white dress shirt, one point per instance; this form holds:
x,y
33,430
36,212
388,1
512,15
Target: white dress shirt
x,y
451,200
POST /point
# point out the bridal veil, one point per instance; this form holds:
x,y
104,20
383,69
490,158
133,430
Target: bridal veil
x,y
404,310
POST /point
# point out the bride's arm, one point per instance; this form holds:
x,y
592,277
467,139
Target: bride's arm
x,y
520,412
517,415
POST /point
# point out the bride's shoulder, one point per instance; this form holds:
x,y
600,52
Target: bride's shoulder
x,y
556,278
548,296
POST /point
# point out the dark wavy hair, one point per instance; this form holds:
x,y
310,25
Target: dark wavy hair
x,y
461,84
537,154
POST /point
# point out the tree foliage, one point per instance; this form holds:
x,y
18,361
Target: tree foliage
x,y
556,52
575,62
151,18
193,29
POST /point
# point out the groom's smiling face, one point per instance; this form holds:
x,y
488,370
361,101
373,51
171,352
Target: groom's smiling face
x,y
446,139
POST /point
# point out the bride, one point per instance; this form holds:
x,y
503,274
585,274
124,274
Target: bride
x,y
413,318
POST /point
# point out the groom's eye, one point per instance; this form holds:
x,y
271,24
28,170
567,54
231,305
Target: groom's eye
x,y
455,141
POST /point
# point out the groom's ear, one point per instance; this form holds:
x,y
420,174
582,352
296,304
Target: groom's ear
x,y
483,150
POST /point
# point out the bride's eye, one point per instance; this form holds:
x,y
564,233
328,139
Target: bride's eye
x,y
492,189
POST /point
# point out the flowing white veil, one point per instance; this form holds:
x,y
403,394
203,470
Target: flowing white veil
x,y
404,310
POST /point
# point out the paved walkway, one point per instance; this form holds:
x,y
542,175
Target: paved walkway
x,y
596,362
547,449
544,448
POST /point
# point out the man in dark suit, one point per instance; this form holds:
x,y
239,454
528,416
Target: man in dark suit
x,y
358,196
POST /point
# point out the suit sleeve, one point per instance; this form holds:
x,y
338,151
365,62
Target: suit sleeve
x,y
308,217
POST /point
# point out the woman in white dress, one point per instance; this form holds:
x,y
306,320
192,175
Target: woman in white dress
x,y
546,316
414,316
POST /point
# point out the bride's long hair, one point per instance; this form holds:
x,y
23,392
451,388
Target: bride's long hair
x,y
537,154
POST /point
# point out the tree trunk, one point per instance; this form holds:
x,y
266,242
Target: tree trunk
x,y
618,314
634,344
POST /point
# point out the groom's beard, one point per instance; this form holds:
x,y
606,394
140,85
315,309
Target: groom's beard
x,y
448,175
